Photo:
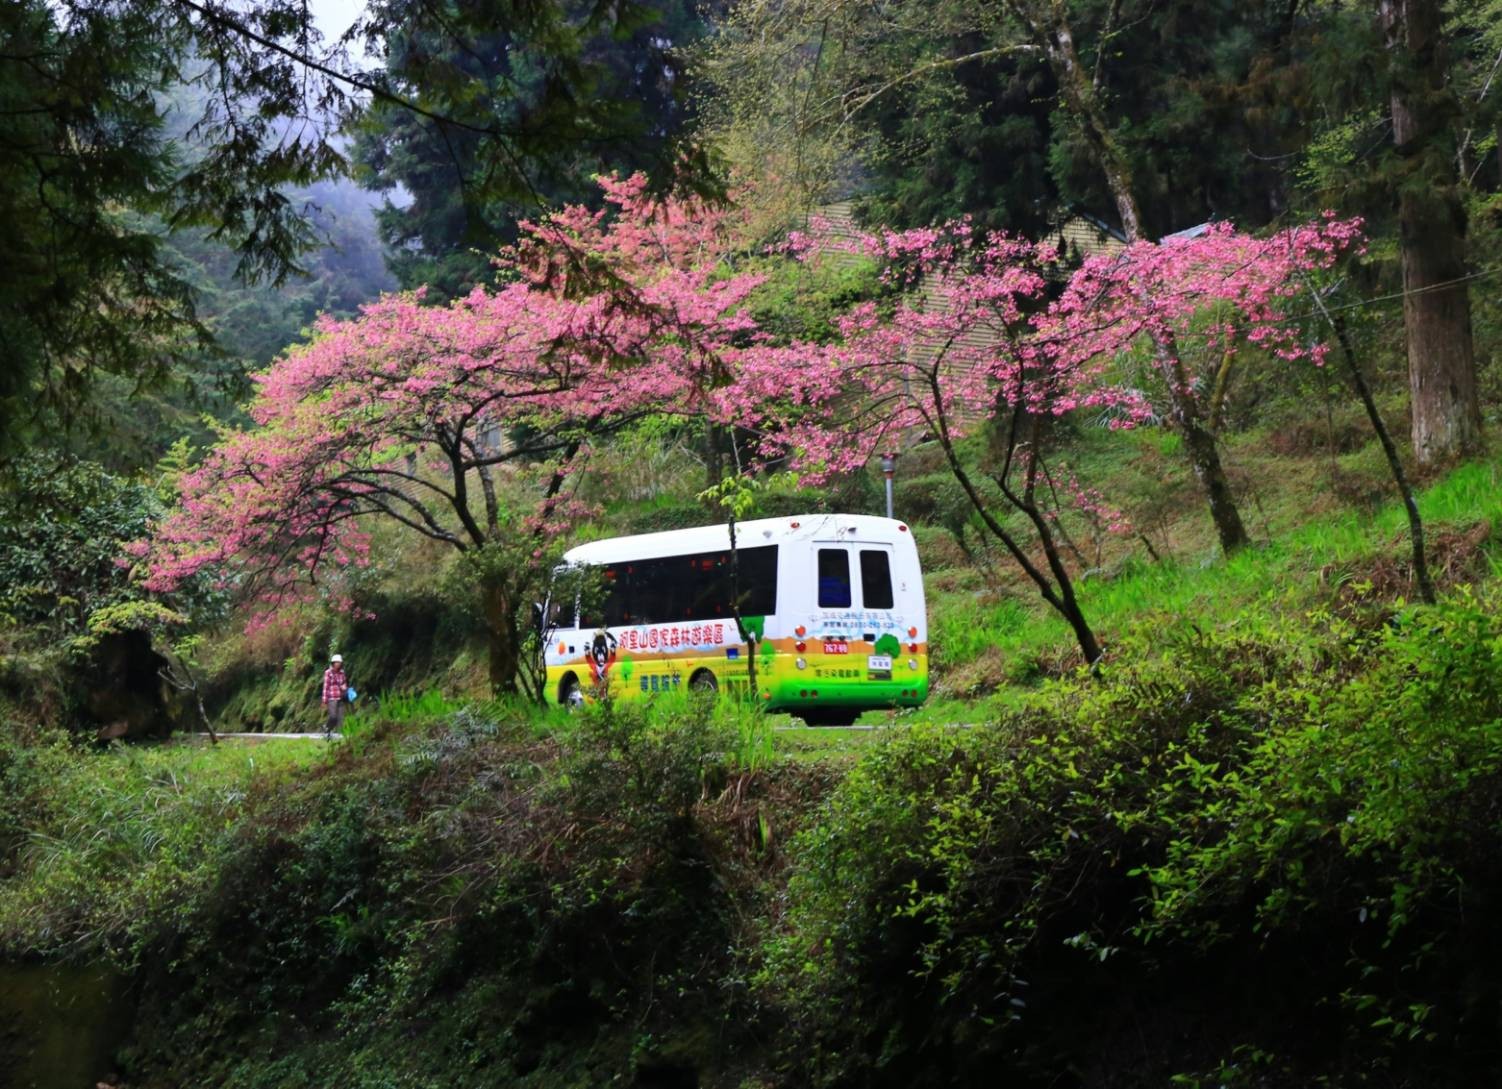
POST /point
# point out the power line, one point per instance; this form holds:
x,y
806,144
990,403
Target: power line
x,y
1481,274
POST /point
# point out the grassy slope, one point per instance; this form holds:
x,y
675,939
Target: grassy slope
x,y
996,639
115,844
1323,527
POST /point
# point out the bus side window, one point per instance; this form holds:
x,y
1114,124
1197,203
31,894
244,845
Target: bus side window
x,y
834,578
708,582
611,605
704,584
758,580
655,588
876,579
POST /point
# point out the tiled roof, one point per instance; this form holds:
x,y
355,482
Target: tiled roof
x,y
1083,236
1189,232
835,232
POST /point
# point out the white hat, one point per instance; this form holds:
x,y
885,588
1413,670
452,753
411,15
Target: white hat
x,y
338,658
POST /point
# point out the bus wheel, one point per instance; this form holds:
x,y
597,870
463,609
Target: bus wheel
x,y
570,695
704,681
829,716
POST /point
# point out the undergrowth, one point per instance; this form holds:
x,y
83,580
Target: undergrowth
x,y
661,893
1263,854
554,900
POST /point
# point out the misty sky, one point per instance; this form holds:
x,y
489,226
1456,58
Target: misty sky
x,y
334,17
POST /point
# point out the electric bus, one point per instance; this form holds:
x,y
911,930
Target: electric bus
x,y
831,606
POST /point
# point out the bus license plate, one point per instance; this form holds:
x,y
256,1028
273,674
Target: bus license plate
x,y
879,663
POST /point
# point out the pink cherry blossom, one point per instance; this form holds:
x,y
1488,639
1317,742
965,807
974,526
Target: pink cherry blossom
x,y
425,415
974,332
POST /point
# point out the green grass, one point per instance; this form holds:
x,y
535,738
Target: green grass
x,y
759,737
398,707
966,629
115,835
1298,569
803,744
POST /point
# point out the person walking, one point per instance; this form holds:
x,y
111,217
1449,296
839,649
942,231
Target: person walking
x,y
335,685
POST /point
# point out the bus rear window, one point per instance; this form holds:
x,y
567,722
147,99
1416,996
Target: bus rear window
x,y
834,578
876,579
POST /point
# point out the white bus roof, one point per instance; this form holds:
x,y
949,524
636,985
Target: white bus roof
x,y
758,531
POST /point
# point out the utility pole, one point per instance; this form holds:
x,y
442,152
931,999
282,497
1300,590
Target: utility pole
x,y
888,467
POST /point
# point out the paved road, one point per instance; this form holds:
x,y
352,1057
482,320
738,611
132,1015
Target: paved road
x,y
256,739
269,737
883,726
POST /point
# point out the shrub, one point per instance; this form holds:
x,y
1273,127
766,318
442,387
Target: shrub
x,y
555,905
1302,808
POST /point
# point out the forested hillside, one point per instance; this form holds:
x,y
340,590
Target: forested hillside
x,y
1170,330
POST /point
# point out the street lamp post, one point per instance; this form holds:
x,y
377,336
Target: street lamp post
x,y
888,467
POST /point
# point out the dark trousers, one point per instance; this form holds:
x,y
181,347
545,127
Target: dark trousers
x,y
335,721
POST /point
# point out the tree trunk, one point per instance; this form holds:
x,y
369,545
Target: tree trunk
x,y
1421,575
1204,459
180,676
1431,236
501,633
1080,94
1221,389
1441,361
1057,590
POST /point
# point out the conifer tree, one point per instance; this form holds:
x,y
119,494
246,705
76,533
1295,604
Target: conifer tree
x,y
1431,234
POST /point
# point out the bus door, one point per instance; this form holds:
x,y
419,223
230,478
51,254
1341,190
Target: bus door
x,y
854,594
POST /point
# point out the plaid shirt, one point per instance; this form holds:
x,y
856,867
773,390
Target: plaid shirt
x,y
334,683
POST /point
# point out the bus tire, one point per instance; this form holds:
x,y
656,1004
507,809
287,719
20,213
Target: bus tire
x,y
570,695
829,716
704,681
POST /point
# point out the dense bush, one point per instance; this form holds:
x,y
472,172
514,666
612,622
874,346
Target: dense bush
x,y
62,523
1267,854
534,909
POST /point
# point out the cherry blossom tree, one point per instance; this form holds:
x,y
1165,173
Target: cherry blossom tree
x,y
1223,289
1155,290
438,418
469,424
972,343
953,353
